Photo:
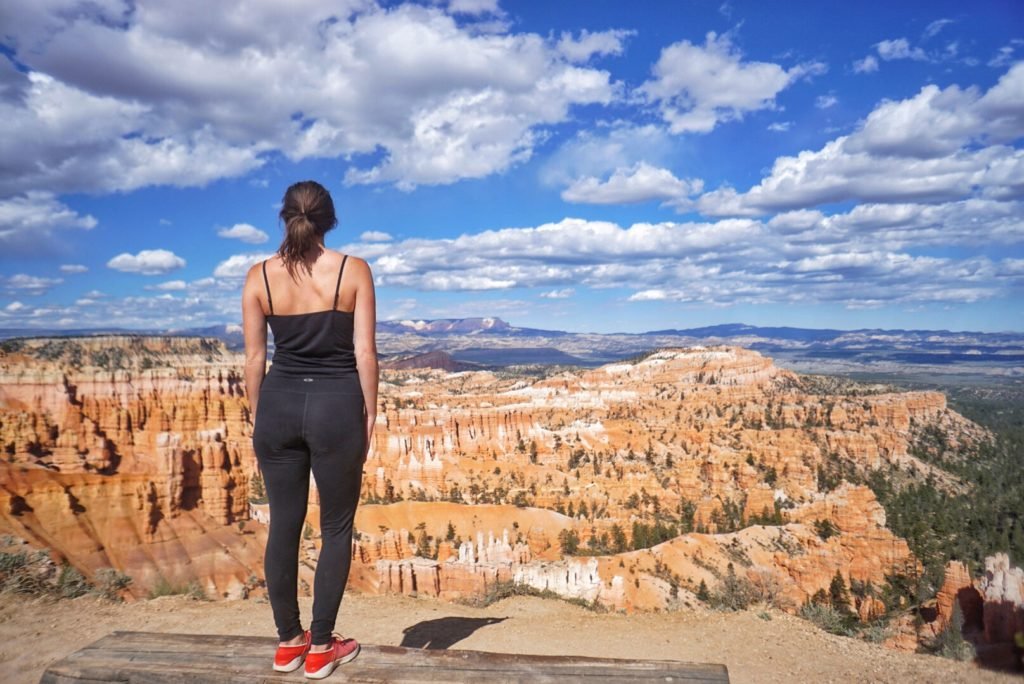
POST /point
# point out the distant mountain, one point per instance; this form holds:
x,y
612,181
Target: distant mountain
x,y
435,359
491,341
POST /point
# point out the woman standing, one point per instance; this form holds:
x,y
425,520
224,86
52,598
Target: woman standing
x,y
314,410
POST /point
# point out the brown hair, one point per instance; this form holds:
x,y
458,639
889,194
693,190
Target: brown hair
x,y
308,213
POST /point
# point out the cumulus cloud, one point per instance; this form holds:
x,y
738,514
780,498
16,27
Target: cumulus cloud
x,y
940,145
867,65
417,95
780,126
245,233
871,252
375,236
147,262
29,223
597,153
826,101
697,87
638,183
169,286
1005,55
474,7
899,48
14,306
236,266
73,268
877,254
29,284
589,44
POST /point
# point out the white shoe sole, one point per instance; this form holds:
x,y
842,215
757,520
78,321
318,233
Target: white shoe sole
x,y
291,666
327,669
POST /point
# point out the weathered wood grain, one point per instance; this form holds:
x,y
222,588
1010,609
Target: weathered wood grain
x,y
155,658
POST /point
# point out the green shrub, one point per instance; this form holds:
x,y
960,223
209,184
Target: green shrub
x,y
110,582
950,642
24,572
876,632
71,583
825,528
194,590
502,590
734,592
828,618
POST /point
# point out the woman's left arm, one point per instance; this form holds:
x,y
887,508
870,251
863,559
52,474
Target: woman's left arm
x,y
254,329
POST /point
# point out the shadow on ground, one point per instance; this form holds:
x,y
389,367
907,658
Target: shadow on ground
x,y
443,632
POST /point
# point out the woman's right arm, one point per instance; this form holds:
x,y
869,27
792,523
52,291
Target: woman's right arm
x,y
365,340
254,329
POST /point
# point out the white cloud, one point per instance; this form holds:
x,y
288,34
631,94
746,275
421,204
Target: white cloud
x,y
375,236
600,43
866,66
28,284
147,262
474,7
1005,55
934,27
245,233
872,255
649,296
638,183
929,147
780,126
563,293
600,152
107,105
169,286
826,101
899,48
14,306
697,87
29,222
73,268
235,267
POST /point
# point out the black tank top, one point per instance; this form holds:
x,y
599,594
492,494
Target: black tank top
x,y
316,344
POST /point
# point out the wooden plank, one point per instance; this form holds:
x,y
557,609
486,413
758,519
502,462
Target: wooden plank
x,y
156,658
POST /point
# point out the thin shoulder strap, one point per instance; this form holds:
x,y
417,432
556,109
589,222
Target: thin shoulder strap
x,y
270,302
337,288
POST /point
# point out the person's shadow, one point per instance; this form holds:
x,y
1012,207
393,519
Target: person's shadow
x,y
443,632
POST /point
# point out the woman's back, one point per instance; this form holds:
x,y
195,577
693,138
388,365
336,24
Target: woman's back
x,y
313,328
303,292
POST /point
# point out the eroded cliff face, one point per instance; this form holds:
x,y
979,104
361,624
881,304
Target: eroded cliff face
x,y
133,453
991,608
478,478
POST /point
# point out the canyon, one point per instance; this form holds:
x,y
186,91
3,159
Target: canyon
x,y
641,485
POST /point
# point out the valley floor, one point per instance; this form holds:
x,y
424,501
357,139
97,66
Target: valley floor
x,y
35,632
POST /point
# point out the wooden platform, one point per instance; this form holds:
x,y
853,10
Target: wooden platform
x,y
137,657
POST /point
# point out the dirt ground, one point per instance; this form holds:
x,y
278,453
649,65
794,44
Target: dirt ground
x,y
35,632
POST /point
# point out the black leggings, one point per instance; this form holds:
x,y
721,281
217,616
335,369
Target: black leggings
x,y
304,423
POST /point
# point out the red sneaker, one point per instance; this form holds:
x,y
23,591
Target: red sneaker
x,y
289,658
319,665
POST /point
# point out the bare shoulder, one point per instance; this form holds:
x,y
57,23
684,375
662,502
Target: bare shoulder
x,y
254,272
359,267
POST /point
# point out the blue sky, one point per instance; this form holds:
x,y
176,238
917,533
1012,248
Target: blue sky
x,y
598,166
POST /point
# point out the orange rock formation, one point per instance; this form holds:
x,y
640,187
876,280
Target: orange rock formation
x,y
474,478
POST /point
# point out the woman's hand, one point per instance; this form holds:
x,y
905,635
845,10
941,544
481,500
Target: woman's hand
x,y
371,420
